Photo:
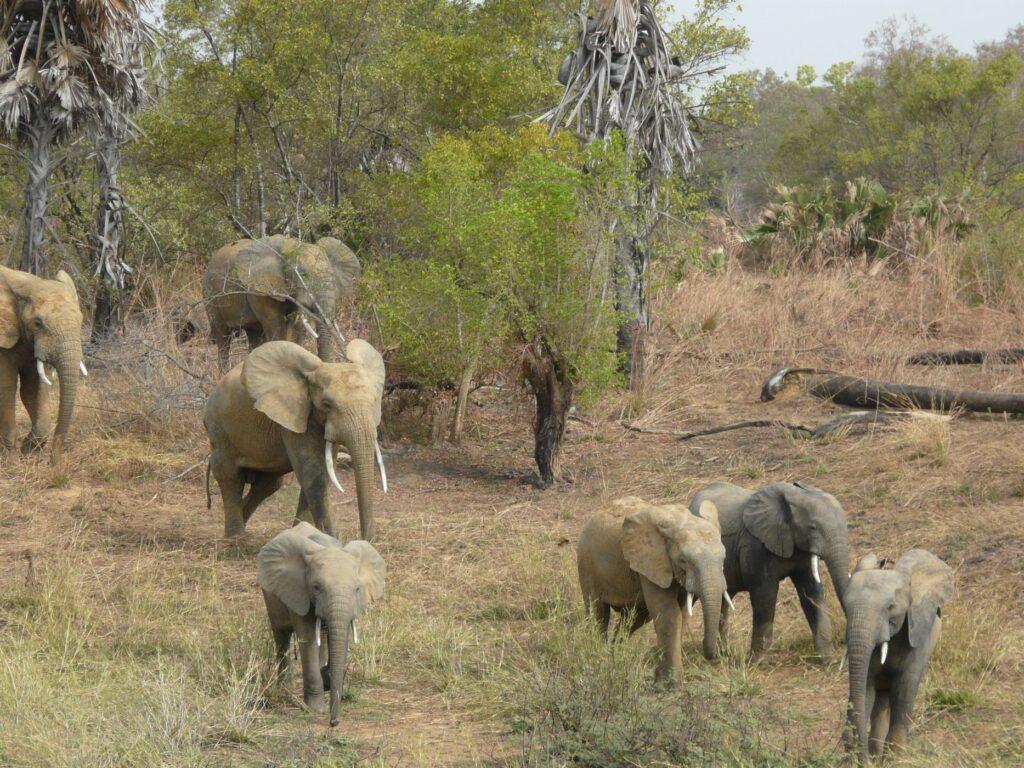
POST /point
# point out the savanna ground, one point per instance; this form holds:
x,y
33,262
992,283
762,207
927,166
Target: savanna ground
x,y
136,636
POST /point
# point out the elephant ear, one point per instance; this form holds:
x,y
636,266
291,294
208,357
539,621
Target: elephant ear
x,y
281,568
344,264
363,354
9,333
276,376
767,515
869,562
931,586
645,545
372,571
258,266
65,279
709,512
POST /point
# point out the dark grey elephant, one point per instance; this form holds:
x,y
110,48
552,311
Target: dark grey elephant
x,y
893,621
311,582
267,287
781,532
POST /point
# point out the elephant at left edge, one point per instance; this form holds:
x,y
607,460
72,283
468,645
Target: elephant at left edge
x,y
40,326
779,532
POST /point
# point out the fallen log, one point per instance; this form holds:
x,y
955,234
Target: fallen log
x,y
967,357
865,393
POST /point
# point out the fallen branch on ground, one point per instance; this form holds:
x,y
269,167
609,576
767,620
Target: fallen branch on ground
x,y
967,357
865,393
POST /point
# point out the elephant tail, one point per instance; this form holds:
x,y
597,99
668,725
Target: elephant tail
x,y
209,496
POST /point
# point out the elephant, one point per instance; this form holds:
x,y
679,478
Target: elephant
x,y
893,622
266,286
778,532
310,580
284,410
40,326
652,560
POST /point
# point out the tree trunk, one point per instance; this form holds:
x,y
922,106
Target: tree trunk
x,y
440,417
107,250
632,260
461,399
549,377
40,140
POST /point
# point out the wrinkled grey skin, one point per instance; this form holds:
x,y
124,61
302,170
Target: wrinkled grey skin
x,y
263,287
305,575
900,606
770,535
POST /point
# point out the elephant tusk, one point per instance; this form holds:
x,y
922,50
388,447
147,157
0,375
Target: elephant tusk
x,y
842,661
355,633
309,328
41,370
329,461
885,651
317,631
689,604
380,463
83,369
814,568
728,599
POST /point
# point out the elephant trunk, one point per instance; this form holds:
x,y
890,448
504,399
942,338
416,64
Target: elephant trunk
x,y
837,559
326,345
712,587
361,440
68,364
860,645
339,623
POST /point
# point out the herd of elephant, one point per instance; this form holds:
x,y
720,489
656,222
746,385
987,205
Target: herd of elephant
x,y
286,410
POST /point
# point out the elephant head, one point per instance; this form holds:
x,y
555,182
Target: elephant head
x,y
794,517
44,314
668,544
308,570
880,605
290,385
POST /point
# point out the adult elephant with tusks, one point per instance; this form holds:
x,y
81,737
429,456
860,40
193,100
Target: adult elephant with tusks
x,y
781,531
285,410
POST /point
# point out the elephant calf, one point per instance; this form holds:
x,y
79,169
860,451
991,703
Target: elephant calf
x,y
893,621
309,581
780,532
652,560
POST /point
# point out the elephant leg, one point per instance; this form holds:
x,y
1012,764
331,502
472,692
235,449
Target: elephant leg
x,y
35,396
231,485
637,617
880,716
902,694
271,315
282,639
663,606
309,653
594,607
812,601
723,625
306,454
255,336
8,396
763,597
263,487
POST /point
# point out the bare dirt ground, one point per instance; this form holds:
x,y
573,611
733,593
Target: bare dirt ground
x,y
477,555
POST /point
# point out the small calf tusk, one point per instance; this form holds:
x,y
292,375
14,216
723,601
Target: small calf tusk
x,y
329,461
842,661
355,633
83,369
885,651
814,568
41,370
380,463
309,328
729,601
689,604
317,631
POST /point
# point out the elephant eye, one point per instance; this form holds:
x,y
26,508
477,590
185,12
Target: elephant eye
x,y
38,324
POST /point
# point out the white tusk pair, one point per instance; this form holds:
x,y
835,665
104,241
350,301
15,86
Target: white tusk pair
x,y
317,631
689,604
309,328
729,601
380,463
82,368
885,651
842,661
41,370
814,568
355,633
329,461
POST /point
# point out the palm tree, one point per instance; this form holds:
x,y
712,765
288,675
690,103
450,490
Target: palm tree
x,y
623,76
65,66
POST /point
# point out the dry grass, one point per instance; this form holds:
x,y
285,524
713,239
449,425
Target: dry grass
x,y
143,641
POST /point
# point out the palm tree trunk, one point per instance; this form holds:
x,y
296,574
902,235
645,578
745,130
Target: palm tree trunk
x,y
40,135
632,260
107,253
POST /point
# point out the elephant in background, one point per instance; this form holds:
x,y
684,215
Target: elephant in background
x,y
40,326
653,560
893,622
309,580
284,410
263,287
779,532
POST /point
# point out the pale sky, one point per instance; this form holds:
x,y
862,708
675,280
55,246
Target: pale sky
x,y
787,33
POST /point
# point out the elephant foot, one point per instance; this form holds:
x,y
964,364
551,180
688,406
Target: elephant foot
x,y
665,679
32,444
315,702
